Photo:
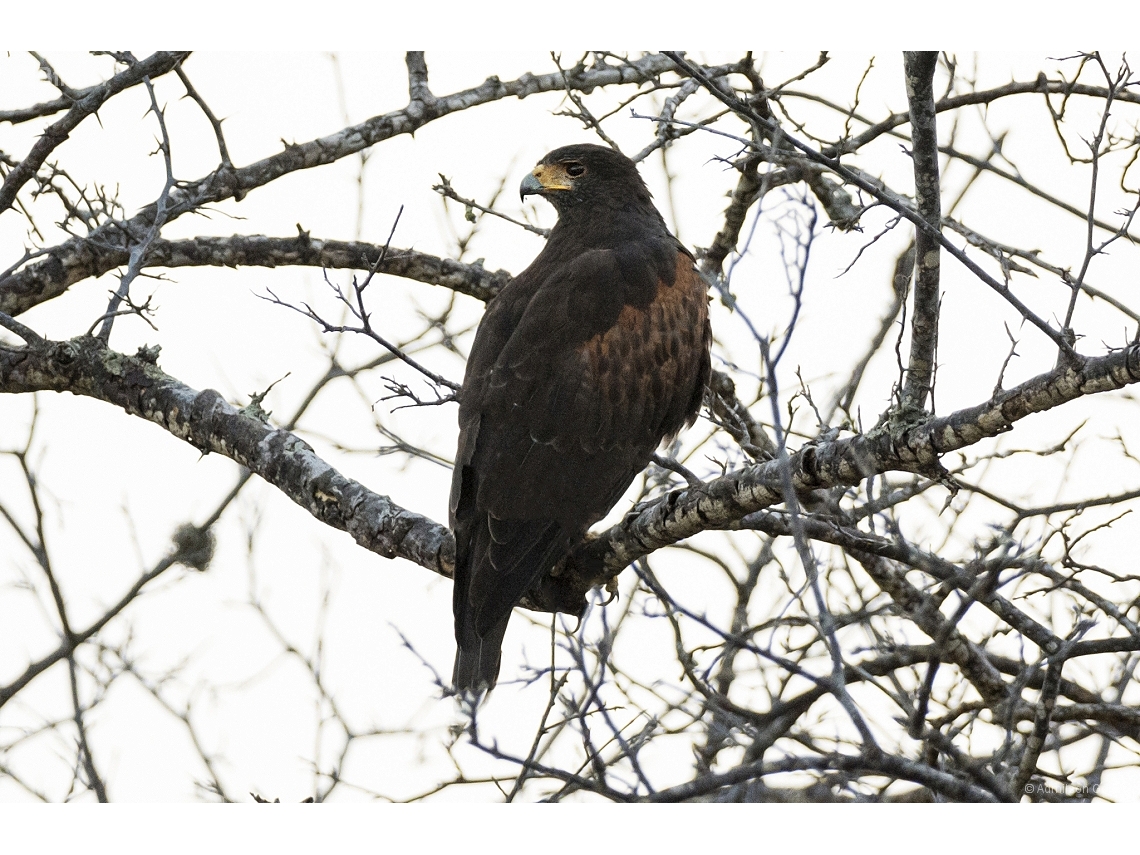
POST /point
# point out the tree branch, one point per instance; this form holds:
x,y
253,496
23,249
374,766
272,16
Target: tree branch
x,y
153,66
258,251
924,320
881,192
720,503
85,366
81,257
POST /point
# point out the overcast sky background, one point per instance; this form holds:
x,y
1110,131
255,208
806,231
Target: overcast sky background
x,y
117,486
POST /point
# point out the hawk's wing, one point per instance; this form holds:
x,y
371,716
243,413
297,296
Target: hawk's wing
x,y
579,369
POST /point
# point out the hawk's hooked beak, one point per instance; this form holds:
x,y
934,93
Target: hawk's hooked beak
x,y
529,185
542,179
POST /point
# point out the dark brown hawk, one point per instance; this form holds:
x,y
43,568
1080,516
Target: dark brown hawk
x,y
581,365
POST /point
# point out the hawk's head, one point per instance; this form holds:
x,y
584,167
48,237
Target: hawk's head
x,y
574,174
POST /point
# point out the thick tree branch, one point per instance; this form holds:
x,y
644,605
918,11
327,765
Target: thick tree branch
x,y
85,366
261,251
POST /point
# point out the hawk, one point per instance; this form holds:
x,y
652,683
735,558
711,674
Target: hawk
x,y
581,365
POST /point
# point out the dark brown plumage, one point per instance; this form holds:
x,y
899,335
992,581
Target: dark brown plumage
x,y
581,365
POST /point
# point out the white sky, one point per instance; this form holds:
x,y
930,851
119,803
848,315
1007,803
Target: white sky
x,y
117,487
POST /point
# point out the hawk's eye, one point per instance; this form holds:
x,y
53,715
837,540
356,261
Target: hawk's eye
x,y
575,169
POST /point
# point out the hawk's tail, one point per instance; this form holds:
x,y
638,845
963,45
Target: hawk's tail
x,y
477,659
505,559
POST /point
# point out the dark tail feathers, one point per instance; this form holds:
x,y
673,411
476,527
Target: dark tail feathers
x,y
477,659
